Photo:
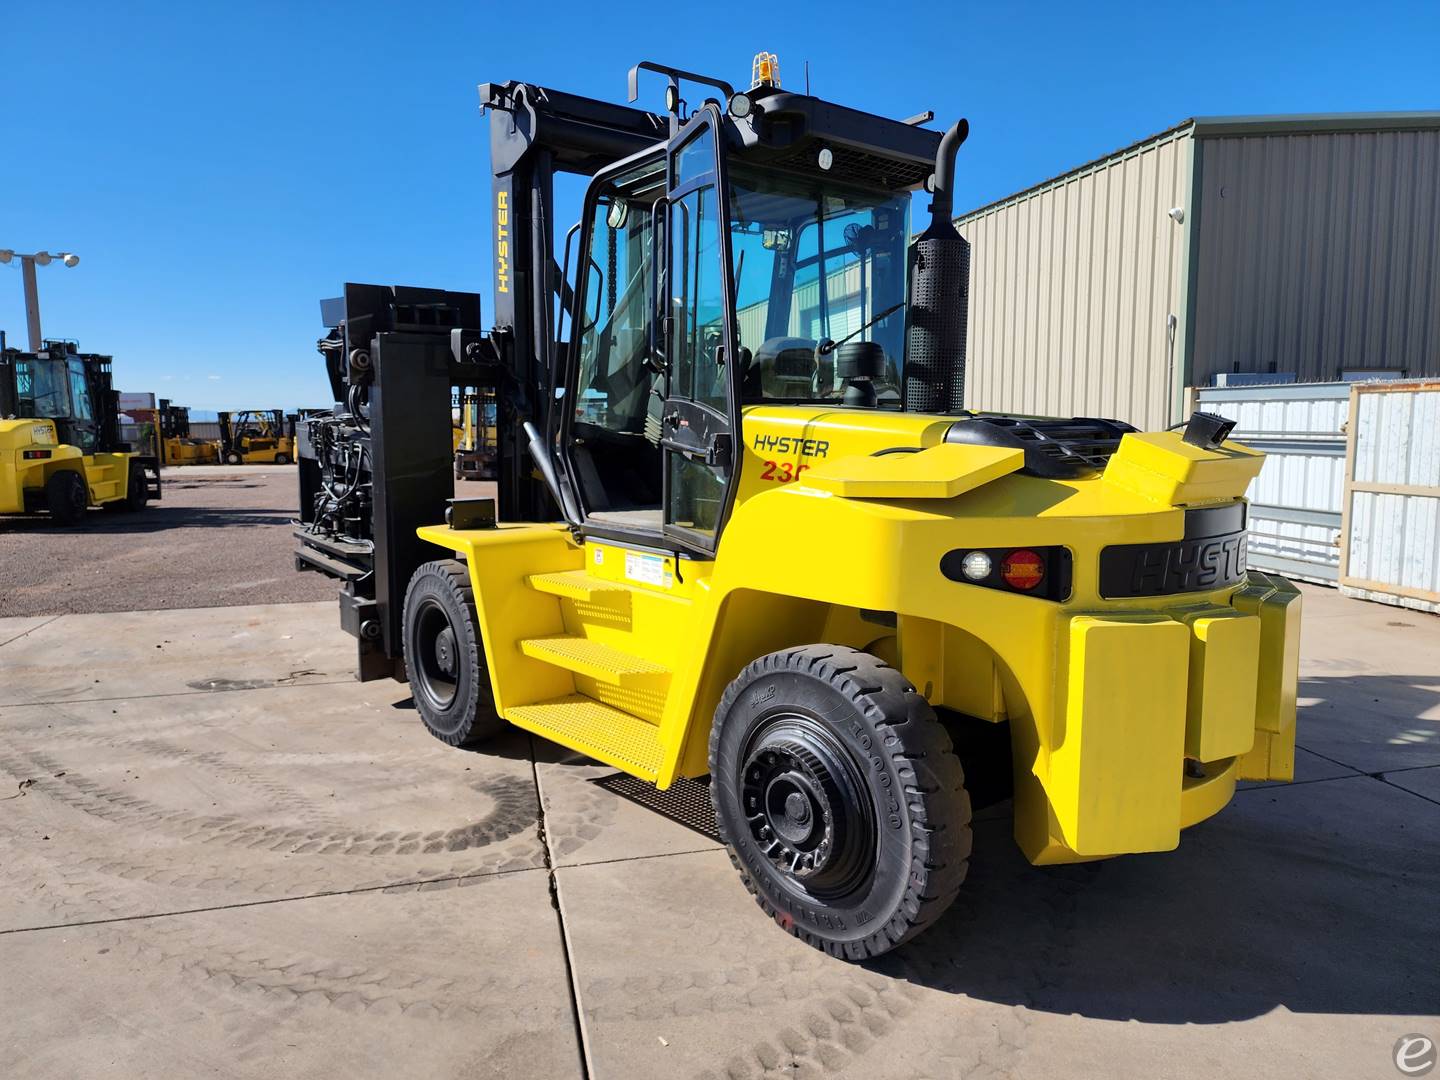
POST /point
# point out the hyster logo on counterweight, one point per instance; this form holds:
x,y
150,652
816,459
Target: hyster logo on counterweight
x,y
1210,562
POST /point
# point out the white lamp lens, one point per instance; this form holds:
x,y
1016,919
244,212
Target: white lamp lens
x,y
976,566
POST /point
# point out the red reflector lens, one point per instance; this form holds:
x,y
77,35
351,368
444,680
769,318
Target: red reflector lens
x,y
32,455
1023,569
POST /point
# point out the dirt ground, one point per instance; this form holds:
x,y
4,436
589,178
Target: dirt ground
x,y
219,537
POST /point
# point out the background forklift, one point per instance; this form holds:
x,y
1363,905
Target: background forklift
x,y
60,448
257,437
746,528
176,445
475,448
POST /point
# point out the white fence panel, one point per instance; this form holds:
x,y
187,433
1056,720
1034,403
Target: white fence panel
x,y
1392,495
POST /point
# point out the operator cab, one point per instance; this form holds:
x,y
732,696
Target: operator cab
x,y
759,255
58,383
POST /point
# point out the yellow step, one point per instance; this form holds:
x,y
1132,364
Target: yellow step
x,y
605,733
578,585
601,662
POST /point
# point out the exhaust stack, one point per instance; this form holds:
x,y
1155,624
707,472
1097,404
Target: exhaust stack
x,y
939,296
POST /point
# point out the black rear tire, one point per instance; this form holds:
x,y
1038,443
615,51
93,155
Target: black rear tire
x,y
444,659
840,799
282,459
136,495
67,496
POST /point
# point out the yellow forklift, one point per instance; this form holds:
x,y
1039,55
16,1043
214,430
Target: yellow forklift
x,y
747,530
60,448
475,439
176,445
257,437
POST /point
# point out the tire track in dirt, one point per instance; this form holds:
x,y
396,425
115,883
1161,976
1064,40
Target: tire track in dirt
x,y
248,970
838,1021
299,977
513,812
278,795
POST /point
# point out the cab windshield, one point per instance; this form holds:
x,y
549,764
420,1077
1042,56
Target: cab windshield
x,y
42,388
814,261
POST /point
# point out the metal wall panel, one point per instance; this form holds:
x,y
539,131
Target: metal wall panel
x,y
1296,501
1317,253
1072,285
1392,492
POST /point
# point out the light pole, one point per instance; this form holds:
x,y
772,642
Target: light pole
x,y
32,292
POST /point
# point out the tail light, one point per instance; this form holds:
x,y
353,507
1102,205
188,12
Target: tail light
x,y
34,455
1034,571
1023,570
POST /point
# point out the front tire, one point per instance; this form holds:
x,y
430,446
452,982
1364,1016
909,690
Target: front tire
x,y
282,459
444,659
67,496
840,799
232,458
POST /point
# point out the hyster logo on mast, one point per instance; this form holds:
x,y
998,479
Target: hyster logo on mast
x,y
502,242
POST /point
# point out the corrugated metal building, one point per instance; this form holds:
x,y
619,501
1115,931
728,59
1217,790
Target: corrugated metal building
x,y
1300,248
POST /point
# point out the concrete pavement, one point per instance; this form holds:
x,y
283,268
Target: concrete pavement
x,y
223,857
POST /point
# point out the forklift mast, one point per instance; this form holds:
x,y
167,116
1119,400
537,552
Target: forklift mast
x,y
380,464
535,133
174,420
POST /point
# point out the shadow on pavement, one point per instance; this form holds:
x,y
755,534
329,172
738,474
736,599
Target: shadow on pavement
x,y
154,518
1314,897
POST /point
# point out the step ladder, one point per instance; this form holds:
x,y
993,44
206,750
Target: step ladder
x,y
617,720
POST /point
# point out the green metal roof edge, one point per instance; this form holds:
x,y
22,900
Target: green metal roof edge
x,y
1203,127
1305,123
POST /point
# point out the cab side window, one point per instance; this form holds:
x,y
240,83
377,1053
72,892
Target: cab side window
x,y
615,402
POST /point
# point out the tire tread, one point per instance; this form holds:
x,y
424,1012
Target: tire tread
x,y
484,722
935,796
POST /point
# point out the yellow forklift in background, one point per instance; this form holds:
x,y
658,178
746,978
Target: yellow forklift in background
x,y
60,448
746,528
257,437
475,442
176,445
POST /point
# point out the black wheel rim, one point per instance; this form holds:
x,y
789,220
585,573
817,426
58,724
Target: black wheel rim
x,y
807,807
436,651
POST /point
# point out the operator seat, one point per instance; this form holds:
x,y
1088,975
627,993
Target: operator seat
x,y
782,367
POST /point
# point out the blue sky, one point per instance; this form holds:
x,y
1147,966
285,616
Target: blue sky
x,y
221,167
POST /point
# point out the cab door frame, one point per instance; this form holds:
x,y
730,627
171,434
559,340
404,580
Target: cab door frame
x,y
694,429
564,389
692,438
